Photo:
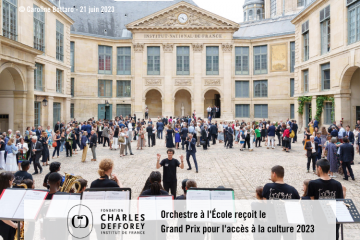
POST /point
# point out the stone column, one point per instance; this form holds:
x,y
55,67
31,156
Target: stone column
x,y
50,112
313,107
20,117
30,98
227,85
167,101
342,108
297,116
66,115
198,97
137,83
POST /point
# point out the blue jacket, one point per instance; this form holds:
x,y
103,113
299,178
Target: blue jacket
x,y
350,136
192,144
346,152
271,131
334,133
159,126
316,124
83,142
9,149
318,140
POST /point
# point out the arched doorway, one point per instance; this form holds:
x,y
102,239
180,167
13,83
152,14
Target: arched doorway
x,y
355,97
154,103
182,103
11,100
212,99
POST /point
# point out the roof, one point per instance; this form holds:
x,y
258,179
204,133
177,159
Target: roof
x,y
249,2
111,25
266,28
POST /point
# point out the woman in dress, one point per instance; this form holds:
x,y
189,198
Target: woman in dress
x,y
332,156
307,136
22,152
316,130
311,127
57,139
49,135
356,139
116,138
141,138
7,227
123,144
169,137
111,136
11,151
62,141
221,132
177,136
45,153
73,145
237,129
323,138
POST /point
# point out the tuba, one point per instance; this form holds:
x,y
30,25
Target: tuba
x,y
69,184
22,185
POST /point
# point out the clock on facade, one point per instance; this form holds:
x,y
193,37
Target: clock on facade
x,y
182,18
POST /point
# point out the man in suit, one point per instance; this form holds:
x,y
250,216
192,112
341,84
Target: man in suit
x,y
183,135
93,139
58,126
316,123
346,158
295,128
230,138
312,151
217,112
160,129
38,132
69,138
191,151
149,130
204,136
36,152
213,131
349,134
105,134
99,132
213,111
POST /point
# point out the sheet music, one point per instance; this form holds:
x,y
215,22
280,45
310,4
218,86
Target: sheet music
x,y
294,213
342,212
10,201
197,201
93,195
164,203
116,195
223,201
147,206
221,195
34,201
58,205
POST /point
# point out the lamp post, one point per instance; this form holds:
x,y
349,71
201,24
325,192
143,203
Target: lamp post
x,y
45,102
107,103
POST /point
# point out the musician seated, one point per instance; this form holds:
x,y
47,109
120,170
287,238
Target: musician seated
x,y
107,179
83,185
23,174
155,185
7,227
54,167
22,183
54,182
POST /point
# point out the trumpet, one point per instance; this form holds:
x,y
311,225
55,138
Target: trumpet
x,y
22,231
69,184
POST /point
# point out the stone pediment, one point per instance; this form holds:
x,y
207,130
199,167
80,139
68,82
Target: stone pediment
x,y
196,18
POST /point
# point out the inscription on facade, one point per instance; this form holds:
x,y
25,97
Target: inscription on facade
x,y
182,82
212,82
153,82
279,58
184,35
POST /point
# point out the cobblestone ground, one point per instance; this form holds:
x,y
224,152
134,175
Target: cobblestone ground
x,y
242,171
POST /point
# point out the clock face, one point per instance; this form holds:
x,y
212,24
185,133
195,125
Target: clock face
x,y
182,18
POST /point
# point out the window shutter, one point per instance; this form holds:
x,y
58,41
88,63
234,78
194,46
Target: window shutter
x,y
305,26
325,14
349,2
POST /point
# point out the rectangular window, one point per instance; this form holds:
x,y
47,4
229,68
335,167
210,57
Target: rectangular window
x,y
306,80
242,89
182,60
328,111
325,29
123,88
261,88
273,8
72,87
37,114
325,76
59,80
292,111
123,110
153,57
105,88
56,112
292,56
105,58
242,110
292,87
124,61
260,60
354,22
212,60
39,29
241,60
72,110
261,111
305,33
72,56
59,41
300,3
38,77
10,19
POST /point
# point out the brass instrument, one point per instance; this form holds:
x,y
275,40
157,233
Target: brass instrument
x,y
69,184
22,232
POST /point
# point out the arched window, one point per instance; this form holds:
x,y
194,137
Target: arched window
x,y
250,15
258,14
245,17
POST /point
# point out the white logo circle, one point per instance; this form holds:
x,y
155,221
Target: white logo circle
x,y
22,9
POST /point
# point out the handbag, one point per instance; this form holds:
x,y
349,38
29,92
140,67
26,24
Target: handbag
x,y
142,136
202,142
54,144
286,139
121,139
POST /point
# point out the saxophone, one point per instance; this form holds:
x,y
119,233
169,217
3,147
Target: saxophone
x,y
23,185
69,184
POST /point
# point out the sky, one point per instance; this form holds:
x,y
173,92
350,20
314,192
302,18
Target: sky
x,y
230,9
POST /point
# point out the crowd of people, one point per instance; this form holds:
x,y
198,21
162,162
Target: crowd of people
x,y
327,149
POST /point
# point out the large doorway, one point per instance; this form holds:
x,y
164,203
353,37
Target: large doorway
x,y
355,98
56,112
4,123
105,112
182,103
307,114
123,110
154,103
212,99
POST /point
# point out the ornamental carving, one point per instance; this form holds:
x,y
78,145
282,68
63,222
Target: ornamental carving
x,y
227,47
138,47
182,82
197,47
212,82
153,82
168,47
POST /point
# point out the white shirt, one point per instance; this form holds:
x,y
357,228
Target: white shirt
x,y
313,147
123,135
24,146
130,126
